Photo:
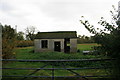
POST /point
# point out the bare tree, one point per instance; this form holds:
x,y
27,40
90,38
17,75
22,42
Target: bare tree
x,y
20,35
30,32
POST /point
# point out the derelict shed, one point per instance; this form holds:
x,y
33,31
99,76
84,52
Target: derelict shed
x,y
61,41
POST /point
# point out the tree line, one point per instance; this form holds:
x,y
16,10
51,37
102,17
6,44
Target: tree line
x,y
28,35
12,39
85,39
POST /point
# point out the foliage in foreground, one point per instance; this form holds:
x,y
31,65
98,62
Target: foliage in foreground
x,y
109,38
8,41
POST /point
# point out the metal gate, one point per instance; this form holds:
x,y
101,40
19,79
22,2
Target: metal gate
x,y
52,63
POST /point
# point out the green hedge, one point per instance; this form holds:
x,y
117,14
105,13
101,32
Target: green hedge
x,y
25,43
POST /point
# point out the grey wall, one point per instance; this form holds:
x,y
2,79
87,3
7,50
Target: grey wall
x,y
73,45
37,44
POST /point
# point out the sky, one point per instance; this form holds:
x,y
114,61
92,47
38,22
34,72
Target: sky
x,y
54,15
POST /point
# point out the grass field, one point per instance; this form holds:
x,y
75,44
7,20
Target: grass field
x,y
26,53
86,46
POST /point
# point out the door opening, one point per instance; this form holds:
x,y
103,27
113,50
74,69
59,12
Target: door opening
x,y
57,46
67,45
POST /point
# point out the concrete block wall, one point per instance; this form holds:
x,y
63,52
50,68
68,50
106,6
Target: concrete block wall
x,y
73,45
37,46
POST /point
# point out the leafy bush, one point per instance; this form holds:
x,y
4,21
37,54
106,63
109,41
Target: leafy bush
x,y
8,41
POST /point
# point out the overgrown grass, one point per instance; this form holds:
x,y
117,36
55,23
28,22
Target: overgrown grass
x,y
26,53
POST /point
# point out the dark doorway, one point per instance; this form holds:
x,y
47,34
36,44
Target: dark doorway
x,y
57,46
67,45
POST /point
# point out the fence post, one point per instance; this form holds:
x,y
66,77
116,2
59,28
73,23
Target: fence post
x,y
53,71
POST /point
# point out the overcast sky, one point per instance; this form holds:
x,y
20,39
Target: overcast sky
x,y
54,15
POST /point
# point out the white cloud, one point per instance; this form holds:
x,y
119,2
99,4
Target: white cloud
x,y
51,15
